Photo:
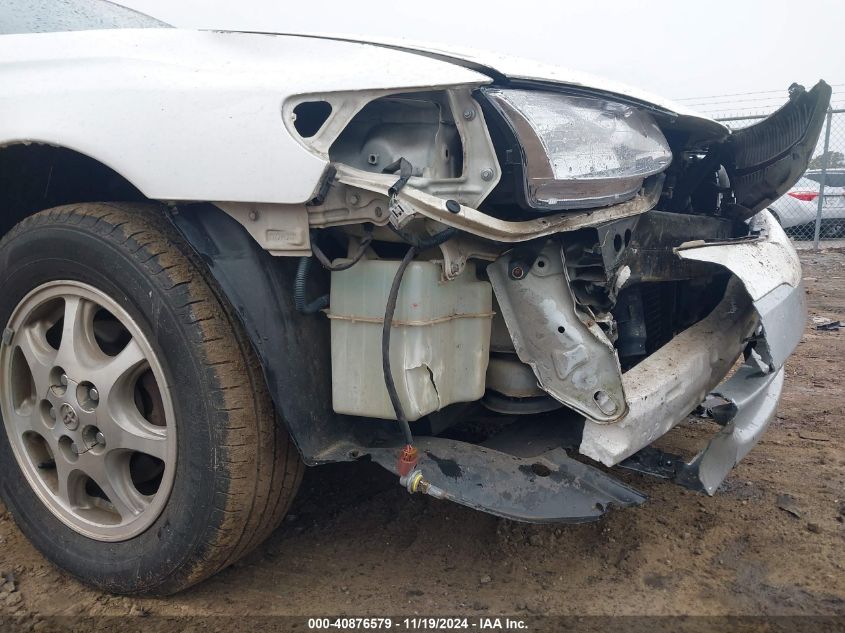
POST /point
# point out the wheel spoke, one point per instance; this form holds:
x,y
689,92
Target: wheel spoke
x,y
66,475
127,430
78,350
33,421
39,356
110,376
141,441
112,476
28,418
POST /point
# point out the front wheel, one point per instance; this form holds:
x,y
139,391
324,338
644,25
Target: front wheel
x,y
141,449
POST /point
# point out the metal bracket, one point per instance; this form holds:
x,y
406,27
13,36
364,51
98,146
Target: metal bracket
x,y
573,360
457,251
483,225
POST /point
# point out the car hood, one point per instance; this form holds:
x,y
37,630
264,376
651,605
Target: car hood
x,y
515,69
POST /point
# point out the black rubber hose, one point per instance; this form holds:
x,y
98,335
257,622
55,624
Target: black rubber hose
x,y
389,311
299,290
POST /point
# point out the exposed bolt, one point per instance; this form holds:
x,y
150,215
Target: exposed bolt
x,y
517,272
486,174
378,212
469,114
354,199
101,439
253,215
63,380
94,394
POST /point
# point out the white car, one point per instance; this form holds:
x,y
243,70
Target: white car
x,y
797,210
226,255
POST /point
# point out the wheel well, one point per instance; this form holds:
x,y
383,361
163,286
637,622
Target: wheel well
x,y
34,177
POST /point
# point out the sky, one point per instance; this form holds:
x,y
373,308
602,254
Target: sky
x,y
722,57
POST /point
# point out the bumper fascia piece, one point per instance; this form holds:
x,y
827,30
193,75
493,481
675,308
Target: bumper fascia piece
x,y
549,487
755,396
763,305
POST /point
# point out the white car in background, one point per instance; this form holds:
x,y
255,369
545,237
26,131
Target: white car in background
x,y
796,211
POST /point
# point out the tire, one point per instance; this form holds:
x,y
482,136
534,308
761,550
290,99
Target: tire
x,y
228,467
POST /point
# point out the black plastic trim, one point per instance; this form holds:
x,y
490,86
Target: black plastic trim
x,y
765,160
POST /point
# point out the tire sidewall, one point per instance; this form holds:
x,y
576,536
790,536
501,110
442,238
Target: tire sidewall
x,y
48,252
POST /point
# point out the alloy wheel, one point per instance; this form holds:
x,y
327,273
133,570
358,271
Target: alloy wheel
x,y
87,411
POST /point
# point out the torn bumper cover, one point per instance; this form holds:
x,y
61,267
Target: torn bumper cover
x,y
529,477
762,313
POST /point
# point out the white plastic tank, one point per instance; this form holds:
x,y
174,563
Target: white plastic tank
x,y
440,338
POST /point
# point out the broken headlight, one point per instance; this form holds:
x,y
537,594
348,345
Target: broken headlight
x,y
581,152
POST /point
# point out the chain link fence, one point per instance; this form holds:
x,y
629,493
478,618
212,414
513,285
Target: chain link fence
x,y
813,211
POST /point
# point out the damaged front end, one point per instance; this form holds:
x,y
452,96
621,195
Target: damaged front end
x,y
519,274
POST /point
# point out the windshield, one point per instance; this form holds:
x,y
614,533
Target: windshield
x,y
50,16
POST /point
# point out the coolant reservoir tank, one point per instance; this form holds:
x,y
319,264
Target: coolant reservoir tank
x,y
439,346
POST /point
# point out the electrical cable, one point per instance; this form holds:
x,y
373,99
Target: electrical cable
x,y
301,282
424,243
362,248
389,311
299,290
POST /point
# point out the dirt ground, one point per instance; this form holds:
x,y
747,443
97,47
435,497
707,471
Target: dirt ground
x,y
356,543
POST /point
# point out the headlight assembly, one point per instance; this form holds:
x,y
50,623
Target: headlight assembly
x,y
581,152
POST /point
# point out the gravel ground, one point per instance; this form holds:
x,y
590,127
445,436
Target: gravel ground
x,y
355,543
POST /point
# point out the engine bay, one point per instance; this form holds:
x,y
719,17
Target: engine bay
x,y
455,295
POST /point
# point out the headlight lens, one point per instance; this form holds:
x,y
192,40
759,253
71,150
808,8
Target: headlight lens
x,y
581,152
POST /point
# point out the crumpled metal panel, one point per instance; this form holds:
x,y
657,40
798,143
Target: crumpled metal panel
x,y
573,360
771,273
670,383
751,398
756,396
782,312
763,264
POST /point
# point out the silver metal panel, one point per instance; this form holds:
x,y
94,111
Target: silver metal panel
x,y
756,396
783,313
573,360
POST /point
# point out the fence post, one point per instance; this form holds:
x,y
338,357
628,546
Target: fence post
x,y
825,161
